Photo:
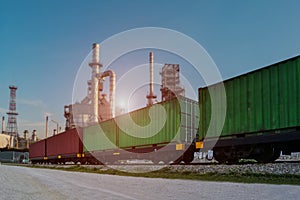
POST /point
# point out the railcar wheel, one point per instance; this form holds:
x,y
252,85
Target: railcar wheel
x,y
220,156
188,157
268,153
223,157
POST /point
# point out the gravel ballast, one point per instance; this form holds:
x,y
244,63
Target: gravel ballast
x,y
269,168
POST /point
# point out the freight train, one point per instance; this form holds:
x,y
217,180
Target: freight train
x,y
118,139
262,119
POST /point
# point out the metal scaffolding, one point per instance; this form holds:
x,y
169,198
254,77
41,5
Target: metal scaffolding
x,y
170,82
12,127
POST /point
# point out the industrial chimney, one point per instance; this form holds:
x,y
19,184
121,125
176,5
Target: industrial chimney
x,y
95,65
47,124
3,126
34,137
151,95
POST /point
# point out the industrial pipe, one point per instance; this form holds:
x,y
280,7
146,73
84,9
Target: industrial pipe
x,y
112,88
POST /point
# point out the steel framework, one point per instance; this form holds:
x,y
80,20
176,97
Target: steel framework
x,y
12,127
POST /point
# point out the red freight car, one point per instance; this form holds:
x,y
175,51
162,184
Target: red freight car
x,y
65,147
37,151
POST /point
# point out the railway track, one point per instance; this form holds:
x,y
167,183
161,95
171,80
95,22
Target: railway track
x,y
173,164
240,163
279,167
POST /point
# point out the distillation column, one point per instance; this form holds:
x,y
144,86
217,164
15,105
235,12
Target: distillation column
x,y
95,65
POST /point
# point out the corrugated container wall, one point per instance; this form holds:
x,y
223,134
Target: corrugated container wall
x,y
120,132
100,137
37,149
259,101
189,119
64,143
153,132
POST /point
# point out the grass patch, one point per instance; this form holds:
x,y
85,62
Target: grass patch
x,y
168,173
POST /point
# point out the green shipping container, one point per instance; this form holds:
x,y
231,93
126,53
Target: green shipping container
x,y
136,129
100,137
256,102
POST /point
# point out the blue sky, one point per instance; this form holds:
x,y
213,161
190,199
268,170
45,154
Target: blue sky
x,y
43,43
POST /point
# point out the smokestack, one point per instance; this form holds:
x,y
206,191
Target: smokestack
x,y
47,126
151,95
26,138
95,65
33,137
95,53
3,126
151,72
26,134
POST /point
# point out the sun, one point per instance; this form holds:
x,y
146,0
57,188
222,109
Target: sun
x,y
121,107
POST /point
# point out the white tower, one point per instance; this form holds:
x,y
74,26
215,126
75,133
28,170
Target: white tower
x,y
95,65
151,95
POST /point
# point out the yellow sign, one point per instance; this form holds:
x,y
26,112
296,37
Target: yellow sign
x,y
199,145
179,147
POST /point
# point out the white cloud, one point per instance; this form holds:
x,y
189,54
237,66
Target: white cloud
x,y
33,124
3,110
25,124
36,103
